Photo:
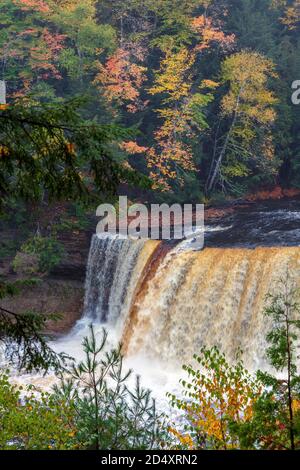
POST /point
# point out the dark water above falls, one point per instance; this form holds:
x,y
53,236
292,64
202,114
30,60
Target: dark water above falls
x,y
269,223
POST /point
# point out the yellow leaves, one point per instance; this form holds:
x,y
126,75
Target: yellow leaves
x,y
173,154
209,84
292,15
4,151
172,78
247,68
3,106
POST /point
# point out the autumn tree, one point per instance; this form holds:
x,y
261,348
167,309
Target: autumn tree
x,y
22,337
50,149
183,112
275,422
216,395
173,81
86,39
259,27
125,55
29,50
284,310
246,147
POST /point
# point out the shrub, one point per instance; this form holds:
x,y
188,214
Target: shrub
x,y
25,263
92,407
108,413
33,422
48,251
215,395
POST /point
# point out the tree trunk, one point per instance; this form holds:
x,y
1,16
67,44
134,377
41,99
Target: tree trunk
x,y
214,173
2,92
290,395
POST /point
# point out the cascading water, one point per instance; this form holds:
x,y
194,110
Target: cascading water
x,y
113,272
215,297
168,303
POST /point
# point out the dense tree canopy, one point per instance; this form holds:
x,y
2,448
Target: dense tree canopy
x,y
169,70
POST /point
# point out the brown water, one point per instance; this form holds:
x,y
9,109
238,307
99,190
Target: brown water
x,y
213,297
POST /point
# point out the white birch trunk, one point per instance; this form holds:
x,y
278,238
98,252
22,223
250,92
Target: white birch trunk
x,y
2,92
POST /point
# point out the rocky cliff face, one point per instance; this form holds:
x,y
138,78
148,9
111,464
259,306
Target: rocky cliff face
x,y
49,296
73,265
62,290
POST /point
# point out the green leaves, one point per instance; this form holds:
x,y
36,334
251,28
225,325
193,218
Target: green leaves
x,y
217,397
25,345
109,413
48,251
50,151
276,417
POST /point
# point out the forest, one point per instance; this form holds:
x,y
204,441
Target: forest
x,y
203,87
165,101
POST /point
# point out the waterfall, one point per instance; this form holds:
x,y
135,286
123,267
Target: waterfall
x,y
167,304
215,297
113,272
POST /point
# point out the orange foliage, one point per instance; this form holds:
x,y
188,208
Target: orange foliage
x,y
132,147
276,193
121,79
209,34
38,5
